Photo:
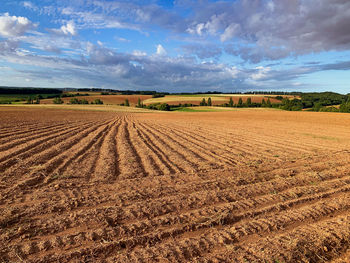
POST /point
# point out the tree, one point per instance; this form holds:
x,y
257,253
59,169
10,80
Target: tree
x,y
97,101
126,103
249,102
29,100
139,103
57,100
240,102
230,103
263,103
209,102
164,107
203,103
345,107
268,103
74,101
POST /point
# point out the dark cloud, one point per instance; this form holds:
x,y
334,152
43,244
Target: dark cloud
x,y
258,30
344,65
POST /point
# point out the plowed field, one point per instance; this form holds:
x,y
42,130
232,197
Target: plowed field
x,y
242,186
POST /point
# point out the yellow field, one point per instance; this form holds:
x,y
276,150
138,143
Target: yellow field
x,y
215,98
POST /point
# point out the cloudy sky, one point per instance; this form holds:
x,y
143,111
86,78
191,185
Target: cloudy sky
x,y
182,45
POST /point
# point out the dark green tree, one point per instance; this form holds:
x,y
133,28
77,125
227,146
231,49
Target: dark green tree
x,y
249,102
268,103
203,103
57,100
126,103
139,103
263,103
230,103
240,102
164,107
74,101
29,100
209,102
97,101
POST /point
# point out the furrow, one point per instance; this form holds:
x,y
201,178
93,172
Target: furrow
x,y
213,238
204,147
182,160
150,161
22,153
129,162
154,145
10,143
59,166
48,157
163,166
106,168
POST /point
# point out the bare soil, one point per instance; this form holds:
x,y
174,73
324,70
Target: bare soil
x,y
240,186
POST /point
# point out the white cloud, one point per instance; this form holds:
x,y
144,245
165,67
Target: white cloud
x,y
262,72
121,39
11,26
139,53
230,32
161,51
29,5
69,29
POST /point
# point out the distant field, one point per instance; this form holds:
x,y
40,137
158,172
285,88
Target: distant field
x,y
107,99
76,107
217,99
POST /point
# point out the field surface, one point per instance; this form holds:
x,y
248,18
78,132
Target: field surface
x,y
217,99
107,99
238,186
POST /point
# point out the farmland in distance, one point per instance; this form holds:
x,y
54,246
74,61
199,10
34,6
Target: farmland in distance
x,y
237,186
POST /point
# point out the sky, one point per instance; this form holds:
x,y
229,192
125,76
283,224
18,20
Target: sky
x,y
177,46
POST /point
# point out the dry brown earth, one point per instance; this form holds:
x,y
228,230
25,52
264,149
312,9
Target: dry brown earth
x,y
240,186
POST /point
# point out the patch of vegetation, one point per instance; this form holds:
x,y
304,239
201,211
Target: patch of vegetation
x,y
158,95
158,106
57,100
23,98
76,101
65,95
97,102
249,104
140,104
10,95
